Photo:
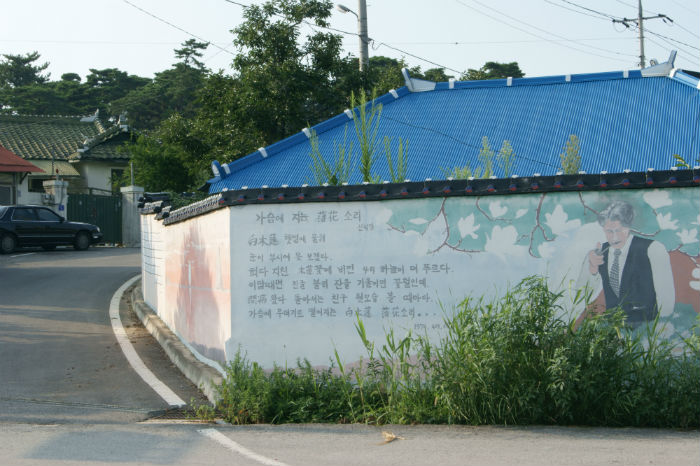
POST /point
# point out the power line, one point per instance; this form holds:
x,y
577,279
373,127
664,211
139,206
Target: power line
x,y
626,22
576,11
543,30
533,34
457,140
590,9
635,7
177,27
533,41
664,17
685,29
371,41
690,58
414,56
671,39
685,7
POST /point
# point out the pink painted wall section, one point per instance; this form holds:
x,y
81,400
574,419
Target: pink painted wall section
x,y
197,292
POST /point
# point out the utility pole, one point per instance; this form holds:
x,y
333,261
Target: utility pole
x,y
361,30
639,21
364,40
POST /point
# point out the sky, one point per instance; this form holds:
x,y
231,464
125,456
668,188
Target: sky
x,y
545,37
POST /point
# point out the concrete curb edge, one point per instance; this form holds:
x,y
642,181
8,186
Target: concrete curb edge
x,y
203,376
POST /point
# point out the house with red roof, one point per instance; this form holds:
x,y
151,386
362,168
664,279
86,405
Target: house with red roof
x,y
13,170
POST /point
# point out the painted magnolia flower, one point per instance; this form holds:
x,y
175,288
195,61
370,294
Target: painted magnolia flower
x,y
688,236
502,242
546,250
418,221
520,213
695,284
665,222
497,210
432,238
383,216
467,227
558,221
657,198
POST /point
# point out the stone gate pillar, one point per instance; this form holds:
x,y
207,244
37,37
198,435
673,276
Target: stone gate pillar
x,y
131,219
58,189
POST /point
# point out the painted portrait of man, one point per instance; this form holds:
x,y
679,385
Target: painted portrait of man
x,y
633,272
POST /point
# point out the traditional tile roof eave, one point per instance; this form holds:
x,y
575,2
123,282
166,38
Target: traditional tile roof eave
x,y
58,136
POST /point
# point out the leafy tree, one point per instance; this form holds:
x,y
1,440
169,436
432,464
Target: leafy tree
x,y
383,74
190,52
283,80
494,70
109,84
173,91
71,77
159,166
38,99
21,70
436,74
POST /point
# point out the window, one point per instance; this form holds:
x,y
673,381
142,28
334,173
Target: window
x,y
46,215
5,195
24,214
36,185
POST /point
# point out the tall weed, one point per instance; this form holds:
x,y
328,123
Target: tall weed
x,y
512,360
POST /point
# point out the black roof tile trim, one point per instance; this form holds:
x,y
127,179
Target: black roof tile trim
x,y
437,188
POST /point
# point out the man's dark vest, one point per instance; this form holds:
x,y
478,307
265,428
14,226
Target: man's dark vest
x,y
637,295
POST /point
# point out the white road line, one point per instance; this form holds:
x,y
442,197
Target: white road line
x,y
159,387
221,439
25,254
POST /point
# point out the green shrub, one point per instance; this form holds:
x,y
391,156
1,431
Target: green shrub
x,y
512,360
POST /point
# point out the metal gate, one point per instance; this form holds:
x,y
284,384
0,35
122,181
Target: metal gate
x,y
103,211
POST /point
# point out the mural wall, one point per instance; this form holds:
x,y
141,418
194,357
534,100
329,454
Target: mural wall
x,y
286,281
197,304
303,271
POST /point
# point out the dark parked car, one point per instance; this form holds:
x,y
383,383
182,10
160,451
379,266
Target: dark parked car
x,y
27,225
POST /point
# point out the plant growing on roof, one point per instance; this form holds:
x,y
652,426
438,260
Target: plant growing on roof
x,y
681,162
336,172
462,173
397,171
366,116
486,158
506,158
571,158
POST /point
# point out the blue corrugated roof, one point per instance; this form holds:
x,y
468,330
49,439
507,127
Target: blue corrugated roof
x,y
623,121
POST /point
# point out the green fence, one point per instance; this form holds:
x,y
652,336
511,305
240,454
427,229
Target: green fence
x,y
103,211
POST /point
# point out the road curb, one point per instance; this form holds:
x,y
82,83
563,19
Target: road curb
x,y
203,376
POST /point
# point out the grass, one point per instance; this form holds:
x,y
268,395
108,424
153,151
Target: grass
x,y
508,361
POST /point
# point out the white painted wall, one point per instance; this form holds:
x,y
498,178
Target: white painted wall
x,y
24,196
286,281
98,174
153,263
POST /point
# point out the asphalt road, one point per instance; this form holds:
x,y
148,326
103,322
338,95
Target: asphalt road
x,y
69,396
